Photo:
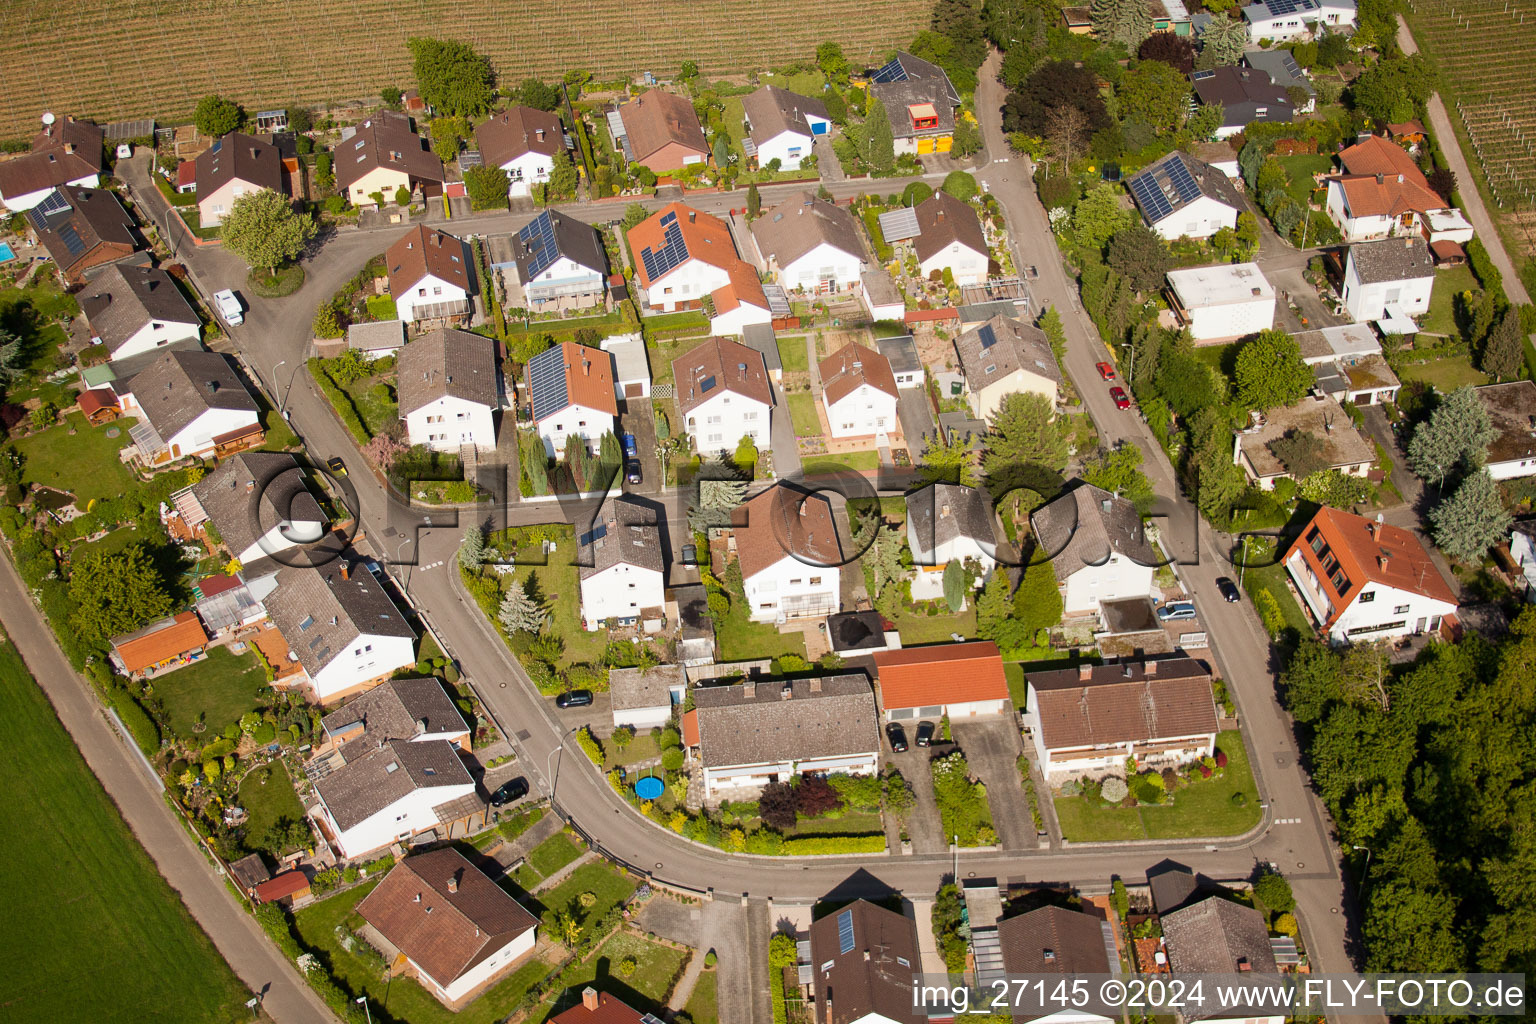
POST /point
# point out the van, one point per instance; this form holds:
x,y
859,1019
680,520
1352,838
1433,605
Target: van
x,y
229,307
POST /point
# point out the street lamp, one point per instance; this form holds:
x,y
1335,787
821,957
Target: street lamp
x,y
367,1012
1365,872
273,379
405,580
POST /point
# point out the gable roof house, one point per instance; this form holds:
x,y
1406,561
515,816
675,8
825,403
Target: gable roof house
x,y
1284,72
1389,279
392,791
920,103
429,275
161,646
786,541
1181,197
682,255
1246,95
1365,580
341,626
758,732
947,523
134,310
570,390
523,142
384,155
662,132
82,228
810,245
558,260
1098,548
1512,411
235,165
67,152
1056,940
623,571
449,390
1380,191
949,237
863,960
1219,936
258,506
190,404
1088,720
783,126
1344,448
1004,356
415,710
457,929
723,395
961,680
858,392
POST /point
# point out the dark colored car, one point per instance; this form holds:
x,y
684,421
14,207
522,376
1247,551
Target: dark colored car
x,y
924,735
574,699
632,471
630,450
515,789
898,737
1228,590
690,554
335,465
1122,400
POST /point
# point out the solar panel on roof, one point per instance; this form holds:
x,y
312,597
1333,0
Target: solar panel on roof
x,y
538,241
845,932
1182,181
53,202
71,240
1149,196
987,335
546,383
673,250
891,72
597,533
1200,76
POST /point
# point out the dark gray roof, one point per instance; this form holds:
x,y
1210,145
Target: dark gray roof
x,y
898,96
856,631
178,387
693,609
78,221
632,688
376,336
771,111
446,362
1218,936
120,300
995,349
1282,68
1159,177
391,711
940,513
761,339
390,772
625,532
1083,526
943,219
239,157
250,871
574,239
901,353
1176,886
319,612
1053,940
978,312
250,493
1392,259
757,724
801,223
863,959
1241,93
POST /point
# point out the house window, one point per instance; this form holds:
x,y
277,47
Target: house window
x,y
1368,598
815,581
1401,609
421,293
794,583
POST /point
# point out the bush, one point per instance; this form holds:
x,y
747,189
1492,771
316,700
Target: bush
x,y
590,745
285,282
1114,789
1274,891
1239,799
805,846
815,796
1221,759
145,733
1285,924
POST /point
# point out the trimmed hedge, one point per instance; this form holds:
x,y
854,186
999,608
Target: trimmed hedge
x,y
800,846
776,988
345,410
140,726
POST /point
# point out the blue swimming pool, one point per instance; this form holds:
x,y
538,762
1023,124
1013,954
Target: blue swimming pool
x,y
6,254
649,788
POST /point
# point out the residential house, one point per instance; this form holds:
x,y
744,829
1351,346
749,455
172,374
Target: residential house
x,y
382,156
258,507
1222,303
1512,411
476,934
786,541
1078,20
661,131
134,310
1056,940
1219,156
1387,279
235,165
961,680
783,126
1365,580
67,152
248,872
749,735
858,392
415,710
863,960
1285,72
190,405
429,275
1217,935
160,646
601,1008
623,570
1246,96
570,390
881,298
376,339
1088,720
948,523
1169,16
901,353
684,256
341,626
1342,447
1006,356
1347,364
1098,548
645,698
949,237
560,263
82,228
810,245
523,142
852,634
390,791
920,103
1279,21
1181,197
447,383
1380,191
723,394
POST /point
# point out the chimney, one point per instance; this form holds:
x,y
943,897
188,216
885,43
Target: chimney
x,y
787,691
346,571
416,898
1399,179
69,147
816,685
1243,966
589,998
944,511
453,883
866,956
421,726
693,216
1381,562
1105,504
1381,179
1149,668
1084,673
1407,242
749,690
804,506
250,485
1128,670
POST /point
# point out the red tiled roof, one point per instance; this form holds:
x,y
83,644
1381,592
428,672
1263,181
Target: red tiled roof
x,y
941,674
1370,552
657,119
785,521
289,883
691,728
844,370
212,586
1388,195
744,289
916,316
706,237
588,377
1377,155
182,635
610,1010
186,173
97,399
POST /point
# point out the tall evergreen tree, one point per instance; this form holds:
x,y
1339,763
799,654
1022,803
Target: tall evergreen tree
x,y
1454,440
472,548
879,141
1121,21
519,613
1471,520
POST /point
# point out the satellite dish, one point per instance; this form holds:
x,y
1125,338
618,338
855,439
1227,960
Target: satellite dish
x,y
48,117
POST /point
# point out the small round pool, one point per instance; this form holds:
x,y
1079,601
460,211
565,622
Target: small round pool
x,y
648,788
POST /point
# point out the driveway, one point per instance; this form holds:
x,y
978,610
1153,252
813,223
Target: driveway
x,y
925,828
786,454
916,415
992,748
640,419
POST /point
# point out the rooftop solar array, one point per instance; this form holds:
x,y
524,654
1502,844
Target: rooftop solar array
x,y
597,533
891,72
1163,188
53,203
987,335
845,932
537,240
470,158
546,383
1283,7
72,240
673,251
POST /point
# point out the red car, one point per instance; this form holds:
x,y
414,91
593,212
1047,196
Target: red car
x,y
1106,371
1122,400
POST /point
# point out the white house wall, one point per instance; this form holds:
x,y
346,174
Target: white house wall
x,y
1232,320
1200,219
287,534
990,398
212,208
730,325
564,277
156,334
620,592
574,421
689,282
792,589
968,265
789,148
1355,229
448,422
196,438
864,411
1117,578
1510,469
1366,302
366,657
827,263
486,969
400,820
430,290
527,170
723,419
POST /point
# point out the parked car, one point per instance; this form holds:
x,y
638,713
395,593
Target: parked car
x,y
1122,400
631,451
1176,610
1105,370
515,789
632,471
335,465
898,737
574,699
229,307
1228,589
690,554
924,735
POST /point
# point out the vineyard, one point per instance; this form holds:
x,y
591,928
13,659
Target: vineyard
x,y
1484,49
118,59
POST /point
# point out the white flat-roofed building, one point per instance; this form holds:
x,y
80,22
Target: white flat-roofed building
x,y
1223,302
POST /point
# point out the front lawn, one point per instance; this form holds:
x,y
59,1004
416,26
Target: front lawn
x,y
857,461
1446,373
802,413
601,879
382,307
792,354
374,402
1450,282
547,858
703,1003
741,639
1274,578
918,627
559,582
1301,167
1018,691
84,463
268,796
644,988
218,689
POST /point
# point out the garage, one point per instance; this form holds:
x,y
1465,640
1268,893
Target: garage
x,y
961,680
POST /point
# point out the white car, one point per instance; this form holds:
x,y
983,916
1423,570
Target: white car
x,y
228,307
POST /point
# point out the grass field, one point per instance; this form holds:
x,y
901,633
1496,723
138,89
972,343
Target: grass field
x,y
1446,374
268,797
802,413
106,939
85,464
741,639
655,967
221,687
792,353
1301,167
843,460
597,877
1441,318
547,858
704,1003
560,583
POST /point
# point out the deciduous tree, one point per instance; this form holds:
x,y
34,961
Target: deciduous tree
x,y
829,57
1055,84
538,95
961,185
1140,255
1156,92
217,116
1394,89
1178,52
1302,454
451,76
262,229
1099,215
1270,372
1117,470
487,187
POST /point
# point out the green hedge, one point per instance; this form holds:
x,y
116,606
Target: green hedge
x,y
776,987
345,410
137,721
800,846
